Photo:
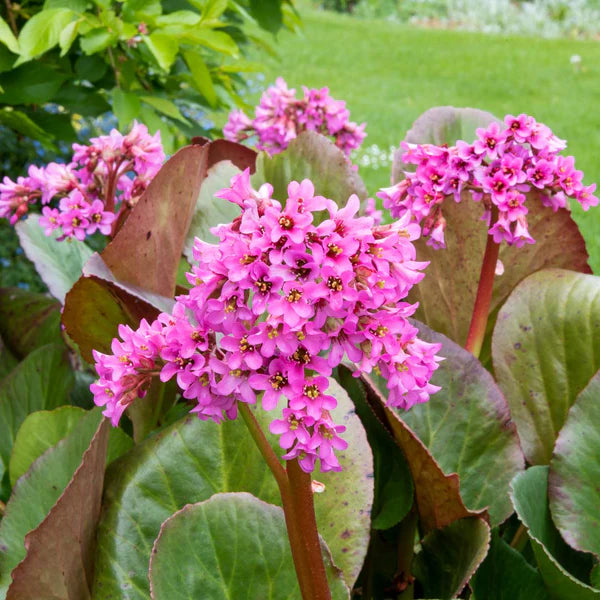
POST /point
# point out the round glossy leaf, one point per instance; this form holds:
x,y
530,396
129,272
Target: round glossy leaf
x,y
546,348
437,495
466,426
575,473
310,156
564,571
192,460
229,546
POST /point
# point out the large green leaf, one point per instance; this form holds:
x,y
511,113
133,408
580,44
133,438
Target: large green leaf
x,y
42,381
564,571
37,492
28,320
575,472
449,557
60,561
506,575
41,430
229,546
42,31
310,156
192,460
545,349
437,495
59,264
468,429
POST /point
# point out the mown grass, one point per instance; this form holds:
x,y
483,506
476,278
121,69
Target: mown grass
x,y
389,74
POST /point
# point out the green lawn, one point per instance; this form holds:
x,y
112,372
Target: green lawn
x,y
389,74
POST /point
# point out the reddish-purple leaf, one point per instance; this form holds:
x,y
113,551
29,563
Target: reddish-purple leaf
x,y
60,551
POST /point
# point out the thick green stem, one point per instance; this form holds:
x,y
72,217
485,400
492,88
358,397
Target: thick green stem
x,y
304,508
481,310
295,525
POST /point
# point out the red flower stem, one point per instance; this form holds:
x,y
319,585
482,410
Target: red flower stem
x,y
304,508
481,310
296,528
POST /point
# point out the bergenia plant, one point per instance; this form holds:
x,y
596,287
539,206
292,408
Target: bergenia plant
x,y
288,293
380,457
94,192
280,117
506,164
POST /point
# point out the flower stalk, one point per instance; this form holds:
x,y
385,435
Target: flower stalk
x,y
481,309
298,507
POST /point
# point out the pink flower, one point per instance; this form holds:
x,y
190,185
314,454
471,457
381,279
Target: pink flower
x,y
280,117
277,304
499,169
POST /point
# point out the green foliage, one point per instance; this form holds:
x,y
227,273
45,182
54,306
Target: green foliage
x,y
564,571
192,460
145,61
574,473
545,350
245,553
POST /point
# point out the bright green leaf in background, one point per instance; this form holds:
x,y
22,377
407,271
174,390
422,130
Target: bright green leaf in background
x,y
126,106
229,546
164,48
201,77
8,38
43,32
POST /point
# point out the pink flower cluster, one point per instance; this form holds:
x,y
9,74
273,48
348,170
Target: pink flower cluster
x,y
276,305
109,174
498,169
280,117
